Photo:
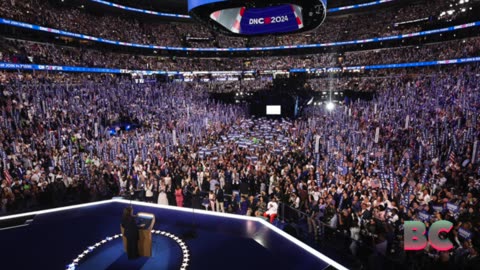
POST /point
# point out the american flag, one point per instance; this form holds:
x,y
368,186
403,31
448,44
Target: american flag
x,y
452,158
6,173
7,176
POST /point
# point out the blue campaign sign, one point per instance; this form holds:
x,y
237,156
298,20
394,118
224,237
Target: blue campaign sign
x,y
278,19
423,216
438,208
452,207
464,233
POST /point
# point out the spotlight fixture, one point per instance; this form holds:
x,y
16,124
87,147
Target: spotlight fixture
x,y
330,106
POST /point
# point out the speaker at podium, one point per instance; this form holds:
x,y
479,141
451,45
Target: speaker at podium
x,y
144,224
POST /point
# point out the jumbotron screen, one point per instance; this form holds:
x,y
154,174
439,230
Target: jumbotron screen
x,y
259,17
255,21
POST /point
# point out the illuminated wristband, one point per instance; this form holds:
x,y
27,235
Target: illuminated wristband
x,y
259,17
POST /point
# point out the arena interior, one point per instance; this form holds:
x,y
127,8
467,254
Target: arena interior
x,y
256,149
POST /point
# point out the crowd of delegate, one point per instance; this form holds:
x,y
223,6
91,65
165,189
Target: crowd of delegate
x,y
359,170
65,16
77,138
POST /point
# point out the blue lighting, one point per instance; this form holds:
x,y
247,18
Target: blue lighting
x,y
10,66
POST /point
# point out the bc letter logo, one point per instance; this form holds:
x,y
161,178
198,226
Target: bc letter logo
x,y
415,239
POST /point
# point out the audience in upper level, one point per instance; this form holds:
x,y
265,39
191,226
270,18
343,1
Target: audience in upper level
x,y
380,22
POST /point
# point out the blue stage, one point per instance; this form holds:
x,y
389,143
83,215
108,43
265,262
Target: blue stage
x,y
55,238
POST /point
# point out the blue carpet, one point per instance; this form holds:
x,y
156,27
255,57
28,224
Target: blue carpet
x,y
123,263
166,254
102,257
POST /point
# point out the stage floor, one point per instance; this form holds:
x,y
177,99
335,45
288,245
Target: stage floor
x,y
55,238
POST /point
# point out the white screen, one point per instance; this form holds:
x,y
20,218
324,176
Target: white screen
x,y
274,110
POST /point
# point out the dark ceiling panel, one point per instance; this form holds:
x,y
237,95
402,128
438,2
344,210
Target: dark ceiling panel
x,y
178,6
181,6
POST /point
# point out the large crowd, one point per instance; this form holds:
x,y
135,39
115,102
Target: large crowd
x,y
134,29
64,140
359,170
18,51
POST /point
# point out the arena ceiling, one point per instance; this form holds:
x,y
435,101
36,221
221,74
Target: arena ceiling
x,y
176,6
181,6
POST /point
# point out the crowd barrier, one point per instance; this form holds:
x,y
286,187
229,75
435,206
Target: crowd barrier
x,y
335,243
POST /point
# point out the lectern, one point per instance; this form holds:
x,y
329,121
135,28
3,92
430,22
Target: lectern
x,y
144,233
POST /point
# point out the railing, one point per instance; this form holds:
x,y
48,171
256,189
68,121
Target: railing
x,y
337,244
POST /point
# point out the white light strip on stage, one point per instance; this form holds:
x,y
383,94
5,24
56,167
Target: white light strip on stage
x,y
178,240
306,247
292,239
185,209
53,210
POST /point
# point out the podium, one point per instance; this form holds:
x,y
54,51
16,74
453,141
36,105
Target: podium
x,y
144,234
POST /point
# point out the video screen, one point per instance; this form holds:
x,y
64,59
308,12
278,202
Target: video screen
x,y
274,110
257,21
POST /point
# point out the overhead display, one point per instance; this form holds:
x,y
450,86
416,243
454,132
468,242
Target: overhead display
x,y
255,21
250,18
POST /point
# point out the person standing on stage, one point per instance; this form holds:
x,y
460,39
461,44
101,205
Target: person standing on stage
x,y
130,232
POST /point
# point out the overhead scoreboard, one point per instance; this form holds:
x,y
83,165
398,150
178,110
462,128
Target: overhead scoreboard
x,y
261,17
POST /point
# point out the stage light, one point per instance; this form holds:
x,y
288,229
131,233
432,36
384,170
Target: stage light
x,y
177,239
310,101
330,106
